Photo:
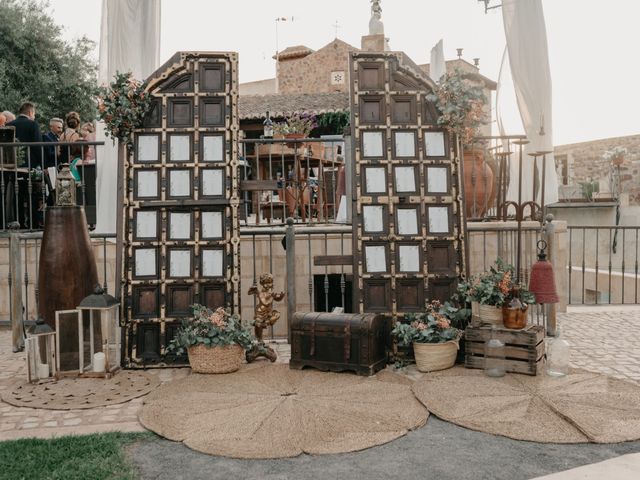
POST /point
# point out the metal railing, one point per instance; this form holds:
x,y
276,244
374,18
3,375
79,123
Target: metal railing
x,y
304,179
27,180
603,265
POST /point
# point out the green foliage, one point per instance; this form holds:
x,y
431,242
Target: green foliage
x,y
122,106
589,189
432,326
332,123
296,122
461,105
38,65
494,287
211,328
96,457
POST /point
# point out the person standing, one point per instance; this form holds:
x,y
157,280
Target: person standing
x,y
70,134
53,135
10,117
3,120
27,130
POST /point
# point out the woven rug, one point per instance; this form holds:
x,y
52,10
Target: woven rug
x,y
73,393
270,411
581,407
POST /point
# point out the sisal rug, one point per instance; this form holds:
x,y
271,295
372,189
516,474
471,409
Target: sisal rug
x,y
270,411
581,407
72,393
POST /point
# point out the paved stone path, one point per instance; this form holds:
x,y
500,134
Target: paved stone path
x,y
602,340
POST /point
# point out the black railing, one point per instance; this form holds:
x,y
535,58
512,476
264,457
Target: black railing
x,y
27,180
603,265
304,178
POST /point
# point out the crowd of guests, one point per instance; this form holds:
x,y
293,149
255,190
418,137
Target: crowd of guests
x,y
69,130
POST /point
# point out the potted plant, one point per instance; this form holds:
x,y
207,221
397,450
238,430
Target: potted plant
x,y
514,311
589,189
434,339
615,156
296,125
461,104
215,340
489,291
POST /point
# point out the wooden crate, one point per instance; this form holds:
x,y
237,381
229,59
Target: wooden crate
x,y
524,349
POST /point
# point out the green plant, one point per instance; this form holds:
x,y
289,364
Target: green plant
x,y
617,153
332,123
432,326
461,105
123,105
296,122
212,329
40,65
589,189
494,287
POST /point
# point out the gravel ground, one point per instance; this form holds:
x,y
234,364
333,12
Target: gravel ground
x,y
439,451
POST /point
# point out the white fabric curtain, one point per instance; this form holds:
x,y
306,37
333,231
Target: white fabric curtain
x,y
437,68
526,36
129,42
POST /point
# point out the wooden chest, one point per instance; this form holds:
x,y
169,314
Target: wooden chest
x,y
524,349
340,341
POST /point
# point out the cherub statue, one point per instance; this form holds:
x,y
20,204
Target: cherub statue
x,y
265,316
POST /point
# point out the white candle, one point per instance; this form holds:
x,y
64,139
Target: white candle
x,y
42,370
98,362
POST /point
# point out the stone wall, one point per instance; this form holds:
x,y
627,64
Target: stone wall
x,y
315,72
580,162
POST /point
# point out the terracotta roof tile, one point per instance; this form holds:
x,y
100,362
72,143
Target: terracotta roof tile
x,y
255,106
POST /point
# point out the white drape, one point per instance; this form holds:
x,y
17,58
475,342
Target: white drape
x,y
437,68
129,42
526,35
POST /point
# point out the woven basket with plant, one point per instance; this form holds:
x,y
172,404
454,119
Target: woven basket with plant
x,y
215,340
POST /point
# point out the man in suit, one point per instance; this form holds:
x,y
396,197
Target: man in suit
x,y
56,126
27,130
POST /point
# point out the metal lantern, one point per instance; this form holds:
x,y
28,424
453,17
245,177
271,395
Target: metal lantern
x,y
542,282
65,187
96,322
41,352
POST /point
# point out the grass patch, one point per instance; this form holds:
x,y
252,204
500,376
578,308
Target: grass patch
x,y
95,457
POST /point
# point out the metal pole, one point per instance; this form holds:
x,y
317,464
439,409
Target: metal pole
x,y
291,274
550,231
15,264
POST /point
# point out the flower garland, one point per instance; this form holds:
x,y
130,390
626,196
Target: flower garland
x,y
122,106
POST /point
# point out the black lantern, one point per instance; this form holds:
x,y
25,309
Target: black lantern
x,y
267,126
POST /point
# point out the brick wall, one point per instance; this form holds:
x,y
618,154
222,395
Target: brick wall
x,y
584,162
313,73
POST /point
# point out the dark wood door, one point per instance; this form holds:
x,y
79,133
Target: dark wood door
x,y
408,225
181,225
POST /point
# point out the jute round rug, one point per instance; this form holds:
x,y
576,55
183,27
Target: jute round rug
x,y
581,407
273,412
72,393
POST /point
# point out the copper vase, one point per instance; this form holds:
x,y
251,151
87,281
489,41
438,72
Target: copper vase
x,y
514,318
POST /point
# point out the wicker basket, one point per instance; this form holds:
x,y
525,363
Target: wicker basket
x,y
431,357
487,314
225,359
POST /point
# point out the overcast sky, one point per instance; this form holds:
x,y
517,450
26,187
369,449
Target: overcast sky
x,y
593,44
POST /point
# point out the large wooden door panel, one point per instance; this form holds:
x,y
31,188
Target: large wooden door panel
x,y
408,229
181,226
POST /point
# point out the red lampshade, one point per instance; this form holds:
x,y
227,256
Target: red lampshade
x,y
542,282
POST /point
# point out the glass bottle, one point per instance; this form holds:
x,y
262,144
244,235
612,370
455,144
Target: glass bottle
x,y
494,356
558,355
267,127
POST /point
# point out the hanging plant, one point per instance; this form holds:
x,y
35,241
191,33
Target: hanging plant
x,y
461,105
122,106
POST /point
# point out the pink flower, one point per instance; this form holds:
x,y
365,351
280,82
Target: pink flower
x,y
218,318
421,326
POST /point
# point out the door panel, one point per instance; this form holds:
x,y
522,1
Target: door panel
x,y
408,226
181,225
